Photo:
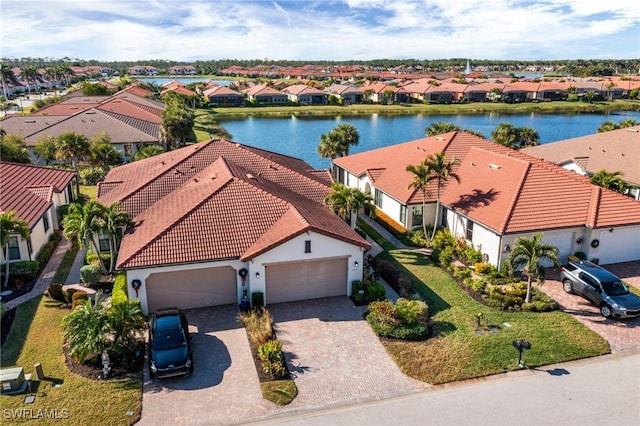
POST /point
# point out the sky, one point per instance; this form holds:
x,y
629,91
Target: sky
x,y
190,30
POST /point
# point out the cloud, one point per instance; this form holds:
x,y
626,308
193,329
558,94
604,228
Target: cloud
x,y
320,29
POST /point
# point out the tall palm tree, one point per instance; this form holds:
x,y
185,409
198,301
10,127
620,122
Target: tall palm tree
x,y
82,223
528,254
71,146
340,200
528,137
420,181
505,134
115,219
337,142
362,200
7,76
102,152
610,180
440,169
31,75
10,225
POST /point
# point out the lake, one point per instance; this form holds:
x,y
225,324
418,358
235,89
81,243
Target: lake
x,y
186,80
299,136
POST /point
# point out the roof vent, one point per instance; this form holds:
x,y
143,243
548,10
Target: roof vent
x,y
250,176
30,121
622,154
603,150
439,138
494,166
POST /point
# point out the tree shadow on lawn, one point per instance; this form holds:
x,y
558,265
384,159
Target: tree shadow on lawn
x,y
12,348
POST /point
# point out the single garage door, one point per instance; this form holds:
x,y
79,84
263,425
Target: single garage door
x,y
192,288
618,246
291,281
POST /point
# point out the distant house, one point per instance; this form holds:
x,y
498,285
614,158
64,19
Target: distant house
x,y
306,95
380,92
349,94
217,221
182,70
616,150
35,194
263,94
143,70
503,194
222,96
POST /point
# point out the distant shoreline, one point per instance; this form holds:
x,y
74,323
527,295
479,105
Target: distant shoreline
x,y
556,107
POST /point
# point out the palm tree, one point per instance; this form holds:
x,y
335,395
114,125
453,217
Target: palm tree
x,y
441,170
102,152
85,329
607,126
11,225
505,134
30,74
348,201
610,180
528,253
82,223
420,181
13,149
148,151
45,148
7,76
336,143
440,127
528,137
124,321
71,146
340,200
115,219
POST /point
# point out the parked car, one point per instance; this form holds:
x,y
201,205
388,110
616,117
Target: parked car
x,y
170,351
601,287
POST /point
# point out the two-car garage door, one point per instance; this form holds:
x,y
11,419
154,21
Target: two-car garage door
x,y
291,281
192,288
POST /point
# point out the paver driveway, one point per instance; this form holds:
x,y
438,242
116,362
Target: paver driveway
x,y
621,334
333,354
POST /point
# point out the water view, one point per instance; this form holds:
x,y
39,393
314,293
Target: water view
x,y
186,80
299,136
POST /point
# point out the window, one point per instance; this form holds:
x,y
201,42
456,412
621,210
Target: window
x,y
45,221
416,215
29,246
469,230
307,246
14,248
378,198
403,214
103,241
443,218
128,149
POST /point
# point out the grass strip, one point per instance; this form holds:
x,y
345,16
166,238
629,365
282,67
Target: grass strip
x,y
383,242
37,337
460,350
65,265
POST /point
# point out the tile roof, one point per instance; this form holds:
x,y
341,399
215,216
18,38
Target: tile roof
x,y
26,125
386,166
191,204
28,189
616,150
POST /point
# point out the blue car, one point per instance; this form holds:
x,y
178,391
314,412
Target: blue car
x,y
170,351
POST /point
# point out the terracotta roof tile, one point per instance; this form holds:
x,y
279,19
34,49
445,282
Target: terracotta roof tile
x,y
28,189
217,200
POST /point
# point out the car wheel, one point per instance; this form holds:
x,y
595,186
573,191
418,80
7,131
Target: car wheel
x,y
605,311
567,286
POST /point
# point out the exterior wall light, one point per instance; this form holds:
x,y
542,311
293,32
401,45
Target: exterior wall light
x,y
257,274
356,263
507,247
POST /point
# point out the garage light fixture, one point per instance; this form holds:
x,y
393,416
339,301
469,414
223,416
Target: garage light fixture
x,y
257,274
356,263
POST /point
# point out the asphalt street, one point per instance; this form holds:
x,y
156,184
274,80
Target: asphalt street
x,y
596,391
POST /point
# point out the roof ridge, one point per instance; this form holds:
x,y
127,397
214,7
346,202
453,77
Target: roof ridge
x,y
517,194
594,206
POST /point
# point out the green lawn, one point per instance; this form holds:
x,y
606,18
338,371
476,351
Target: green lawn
x,y
89,191
36,336
457,351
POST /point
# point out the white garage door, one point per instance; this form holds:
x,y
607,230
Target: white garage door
x,y
619,246
563,242
192,288
287,282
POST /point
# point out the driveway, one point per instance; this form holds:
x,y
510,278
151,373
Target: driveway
x,y
621,334
331,352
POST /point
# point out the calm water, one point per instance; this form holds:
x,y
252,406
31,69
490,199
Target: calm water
x,y
186,80
299,137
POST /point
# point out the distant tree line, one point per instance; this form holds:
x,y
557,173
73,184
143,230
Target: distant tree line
x,y
573,67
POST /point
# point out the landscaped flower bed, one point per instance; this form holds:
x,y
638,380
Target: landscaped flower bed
x,y
275,380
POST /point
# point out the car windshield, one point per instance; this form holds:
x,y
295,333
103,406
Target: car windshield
x,y
615,288
169,339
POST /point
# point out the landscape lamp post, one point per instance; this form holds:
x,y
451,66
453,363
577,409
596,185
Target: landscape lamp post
x,y
520,345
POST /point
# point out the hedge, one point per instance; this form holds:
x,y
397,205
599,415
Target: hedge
x,y
119,293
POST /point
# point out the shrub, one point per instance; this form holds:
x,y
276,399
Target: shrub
x,y
411,311
28,268
389,224
416,237
92,259
48,249
270,353
119,293
479,286
3,310
259,325
90,274
580,255
481,267
79,295
357,291
68,294
91,175
375,291
55,292
443,239
446,256
63,210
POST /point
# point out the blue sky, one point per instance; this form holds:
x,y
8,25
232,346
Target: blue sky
x,y
189,30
